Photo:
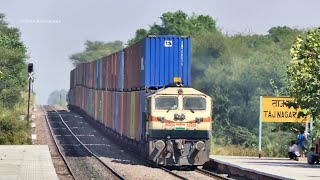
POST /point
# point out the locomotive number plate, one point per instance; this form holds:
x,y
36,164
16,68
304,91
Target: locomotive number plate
x,y
191,125
170,124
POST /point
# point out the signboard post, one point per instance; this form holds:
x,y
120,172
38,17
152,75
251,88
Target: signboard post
x,y
260,127
275,109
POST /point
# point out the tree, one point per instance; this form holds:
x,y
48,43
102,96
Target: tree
x,y
178,23
12,65
95,50
284,36
303,74
13,83
140,33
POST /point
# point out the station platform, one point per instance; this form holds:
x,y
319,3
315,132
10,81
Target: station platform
x,y
266,168
26,162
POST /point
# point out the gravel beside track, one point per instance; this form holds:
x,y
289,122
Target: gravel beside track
x,y
44,138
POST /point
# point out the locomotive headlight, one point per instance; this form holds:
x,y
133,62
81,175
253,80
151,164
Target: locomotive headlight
x,y
159,144
200,145
161,119
199,119
179,116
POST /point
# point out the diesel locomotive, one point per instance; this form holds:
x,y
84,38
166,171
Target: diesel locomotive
x,y
178,122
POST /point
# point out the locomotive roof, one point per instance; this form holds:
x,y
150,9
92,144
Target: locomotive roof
x,y
174,90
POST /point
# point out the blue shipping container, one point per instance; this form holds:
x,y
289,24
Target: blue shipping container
x,y
165,58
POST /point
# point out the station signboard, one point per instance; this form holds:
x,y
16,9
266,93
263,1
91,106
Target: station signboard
x,y
275,109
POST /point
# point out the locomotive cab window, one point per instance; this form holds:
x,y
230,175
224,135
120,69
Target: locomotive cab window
x,y
166,103
194,103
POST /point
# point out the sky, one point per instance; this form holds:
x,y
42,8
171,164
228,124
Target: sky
x,y
54,29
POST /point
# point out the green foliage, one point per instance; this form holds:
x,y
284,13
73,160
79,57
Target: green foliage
x,y
11,41
284,36
12,130
303,74
58,97
178,23
235,71
12,66
13,82
140,33
4,26
275,142
95,50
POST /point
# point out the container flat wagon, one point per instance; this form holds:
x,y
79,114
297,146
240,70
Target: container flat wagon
x,y
143,95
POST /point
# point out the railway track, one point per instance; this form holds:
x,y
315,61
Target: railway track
x,y
178,174
70,144
60,154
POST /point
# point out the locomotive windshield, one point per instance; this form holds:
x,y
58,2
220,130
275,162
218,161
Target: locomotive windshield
x,y
165,103
194,103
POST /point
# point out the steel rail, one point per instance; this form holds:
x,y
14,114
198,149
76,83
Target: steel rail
x,y
113,171
56,143
172,173
211,174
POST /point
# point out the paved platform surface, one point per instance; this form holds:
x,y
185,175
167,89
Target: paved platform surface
x,y
279,167
26,162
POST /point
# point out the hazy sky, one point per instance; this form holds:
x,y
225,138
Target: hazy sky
x,y
54,29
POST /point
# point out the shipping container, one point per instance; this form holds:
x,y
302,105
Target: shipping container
x,y
116,112
157,61
127,119
136,115
120,70
91,70
105,108
121,114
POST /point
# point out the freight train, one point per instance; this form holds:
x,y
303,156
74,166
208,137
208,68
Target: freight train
x,y
143,96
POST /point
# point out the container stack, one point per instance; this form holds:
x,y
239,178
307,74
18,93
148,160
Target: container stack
x,y
112,89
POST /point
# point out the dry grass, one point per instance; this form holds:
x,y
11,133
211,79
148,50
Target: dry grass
x,y
234,150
